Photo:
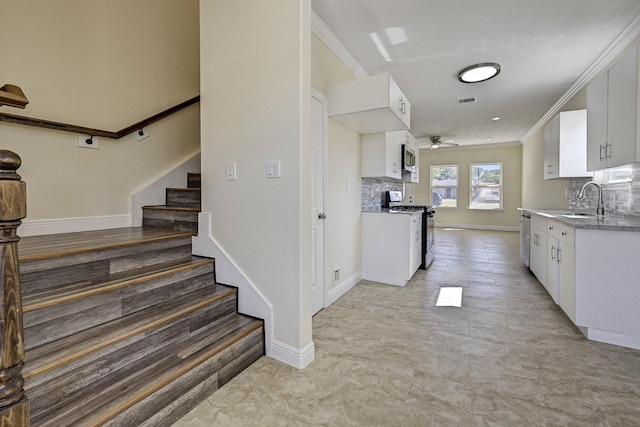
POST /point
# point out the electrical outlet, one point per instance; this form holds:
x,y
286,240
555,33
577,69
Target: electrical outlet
x,y
87,141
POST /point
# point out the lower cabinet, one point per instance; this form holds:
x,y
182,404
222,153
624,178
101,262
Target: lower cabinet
x,y
538,248
391,246
561,266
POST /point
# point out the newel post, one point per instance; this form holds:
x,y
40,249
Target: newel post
x,y
14,406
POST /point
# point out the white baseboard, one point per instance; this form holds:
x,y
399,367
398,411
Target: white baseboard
x,y
297,357
342,288
479,227
396,281
69,225
614,338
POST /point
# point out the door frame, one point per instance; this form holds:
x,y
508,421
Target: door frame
x,y
320,97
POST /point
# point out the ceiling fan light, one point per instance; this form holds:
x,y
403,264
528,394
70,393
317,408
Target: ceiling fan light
x,y
479,72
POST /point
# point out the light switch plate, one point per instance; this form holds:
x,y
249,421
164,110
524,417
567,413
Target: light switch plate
x,y
231,171
273,169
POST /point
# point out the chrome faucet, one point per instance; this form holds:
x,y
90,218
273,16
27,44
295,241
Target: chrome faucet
x,y
600,208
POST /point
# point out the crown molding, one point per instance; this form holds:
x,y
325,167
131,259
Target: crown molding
x,y
624,40
322,30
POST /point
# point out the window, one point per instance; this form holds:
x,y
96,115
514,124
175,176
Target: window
x,y
444,186
486,186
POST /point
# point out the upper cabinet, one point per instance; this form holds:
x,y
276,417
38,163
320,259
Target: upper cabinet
x,y
382,155
565,146
369,105
612,115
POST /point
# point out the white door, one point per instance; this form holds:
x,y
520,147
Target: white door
x,y
318,198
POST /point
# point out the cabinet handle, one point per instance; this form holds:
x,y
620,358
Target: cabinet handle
x,y
601,156
553,255
607,151
551,227
564,233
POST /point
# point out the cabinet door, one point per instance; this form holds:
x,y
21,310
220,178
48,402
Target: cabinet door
x,y
553,276
416,243
394,154
597,93
567,291
552,148
622,110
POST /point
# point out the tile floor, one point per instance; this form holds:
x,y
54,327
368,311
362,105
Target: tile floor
x,y
386,356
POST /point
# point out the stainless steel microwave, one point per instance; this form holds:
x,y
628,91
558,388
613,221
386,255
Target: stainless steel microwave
x,y
408,159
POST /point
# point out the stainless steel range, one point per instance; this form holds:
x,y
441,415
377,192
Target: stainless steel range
x,y
393,202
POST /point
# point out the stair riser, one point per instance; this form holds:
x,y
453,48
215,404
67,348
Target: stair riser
x,y
193,180
160,409
175,220
51,323
183,197
49,273
96,371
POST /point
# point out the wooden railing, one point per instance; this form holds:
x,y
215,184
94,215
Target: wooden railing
x,y
14,406
28,121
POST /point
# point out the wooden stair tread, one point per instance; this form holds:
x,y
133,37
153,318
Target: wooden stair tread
x,y
171,208
77,290
120,395
67,349
57,245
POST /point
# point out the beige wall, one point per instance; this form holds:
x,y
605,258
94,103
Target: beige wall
x,y
511,158
538,193
105,65
256,98
343,210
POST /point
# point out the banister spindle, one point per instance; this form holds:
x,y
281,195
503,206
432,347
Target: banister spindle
x,y
14,406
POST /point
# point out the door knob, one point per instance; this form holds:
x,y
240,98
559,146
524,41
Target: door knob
x,y
321,215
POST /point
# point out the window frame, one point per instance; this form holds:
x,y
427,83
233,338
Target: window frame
x,y
456,187
500,187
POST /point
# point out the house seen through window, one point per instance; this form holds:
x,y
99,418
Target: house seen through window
x,y
444,186
486,186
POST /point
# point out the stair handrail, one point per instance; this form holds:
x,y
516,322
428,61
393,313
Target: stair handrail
x,y
14,406
66,127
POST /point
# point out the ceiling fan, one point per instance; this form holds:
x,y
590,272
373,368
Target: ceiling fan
x,y
436,143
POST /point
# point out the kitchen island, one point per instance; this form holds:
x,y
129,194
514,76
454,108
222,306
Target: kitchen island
x,y
589,267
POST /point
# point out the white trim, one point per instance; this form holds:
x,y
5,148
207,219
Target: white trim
x,y
342,288
395,281
624,40
614,338
479,227
297,357
322,30
40,227
251,300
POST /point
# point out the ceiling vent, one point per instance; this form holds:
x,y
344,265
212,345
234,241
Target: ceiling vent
x,y
467,100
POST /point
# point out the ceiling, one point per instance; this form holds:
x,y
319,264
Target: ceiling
x,y
547,49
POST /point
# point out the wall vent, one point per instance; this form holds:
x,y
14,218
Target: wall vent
x,y
467,100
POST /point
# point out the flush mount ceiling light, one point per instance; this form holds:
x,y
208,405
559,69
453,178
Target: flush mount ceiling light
x,y
479,72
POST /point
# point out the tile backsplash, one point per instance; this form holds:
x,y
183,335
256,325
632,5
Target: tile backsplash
x,y
619,198
372,192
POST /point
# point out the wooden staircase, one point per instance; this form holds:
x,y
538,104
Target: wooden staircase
x,y
181,209
124,327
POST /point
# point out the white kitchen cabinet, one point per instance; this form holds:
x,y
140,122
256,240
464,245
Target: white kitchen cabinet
x,y
612,115
565,146
538,249
391,246
369,105
405,137
382,155
561,265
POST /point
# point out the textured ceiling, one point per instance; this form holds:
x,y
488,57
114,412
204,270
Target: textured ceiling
x,y
543,47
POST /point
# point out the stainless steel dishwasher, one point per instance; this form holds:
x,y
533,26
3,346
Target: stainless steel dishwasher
x,y
525,236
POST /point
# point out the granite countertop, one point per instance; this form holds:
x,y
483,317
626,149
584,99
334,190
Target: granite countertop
x,y
591,222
